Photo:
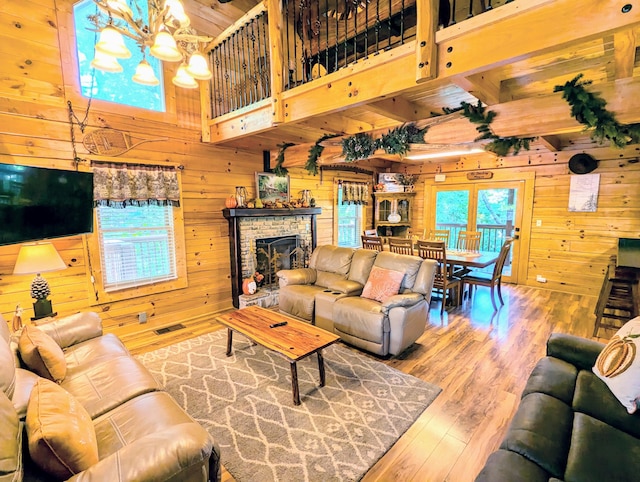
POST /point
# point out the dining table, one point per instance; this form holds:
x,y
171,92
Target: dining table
x,y
472,259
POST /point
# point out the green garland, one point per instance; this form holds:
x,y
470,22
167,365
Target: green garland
x,y
589,109
499,145
359,146
314,153
396,141
279,170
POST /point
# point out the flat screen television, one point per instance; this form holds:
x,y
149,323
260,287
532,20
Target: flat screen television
x,y
40,203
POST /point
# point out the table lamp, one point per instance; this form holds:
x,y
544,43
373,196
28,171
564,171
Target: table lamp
x,y
39,258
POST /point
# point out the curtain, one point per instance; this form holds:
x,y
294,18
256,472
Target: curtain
x,y
121,185
355,193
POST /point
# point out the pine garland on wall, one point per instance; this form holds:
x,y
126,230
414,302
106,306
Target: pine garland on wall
x,y
499,145
589,109
279,169
314,153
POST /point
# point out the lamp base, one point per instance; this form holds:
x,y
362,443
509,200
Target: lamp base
x,y
42,309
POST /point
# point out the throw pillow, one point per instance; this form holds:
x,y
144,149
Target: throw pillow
x,y
382,283
618,365
62,439
42,354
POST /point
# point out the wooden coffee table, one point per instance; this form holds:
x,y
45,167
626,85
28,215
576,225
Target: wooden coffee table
x,y
295,340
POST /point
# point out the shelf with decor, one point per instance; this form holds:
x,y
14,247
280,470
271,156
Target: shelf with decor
x,y
392,213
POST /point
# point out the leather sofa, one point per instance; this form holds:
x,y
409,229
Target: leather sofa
x,y
568,425
327,294
140,431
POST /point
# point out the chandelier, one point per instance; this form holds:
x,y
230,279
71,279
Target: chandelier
x,y
166,33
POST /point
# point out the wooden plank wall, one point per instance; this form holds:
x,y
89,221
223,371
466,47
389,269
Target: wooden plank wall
x,y
571,250
35,130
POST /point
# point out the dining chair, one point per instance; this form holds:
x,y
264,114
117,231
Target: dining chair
x,y
469,240
444,281
372,242
439,235
400,245
495,279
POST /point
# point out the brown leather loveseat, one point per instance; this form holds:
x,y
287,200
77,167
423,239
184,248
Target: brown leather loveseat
x,y
74,404
331,294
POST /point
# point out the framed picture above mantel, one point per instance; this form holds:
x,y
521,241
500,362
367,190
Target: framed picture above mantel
x,y
272,188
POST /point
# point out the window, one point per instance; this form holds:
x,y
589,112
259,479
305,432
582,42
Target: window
x,y
349,222
114,87
136,245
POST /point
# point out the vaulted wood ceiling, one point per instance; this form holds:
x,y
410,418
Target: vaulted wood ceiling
x,y
608,60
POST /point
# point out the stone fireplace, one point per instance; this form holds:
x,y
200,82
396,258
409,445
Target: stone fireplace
x,y
267,240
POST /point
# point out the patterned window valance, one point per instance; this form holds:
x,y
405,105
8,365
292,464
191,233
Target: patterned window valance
x,y
355,193
120,185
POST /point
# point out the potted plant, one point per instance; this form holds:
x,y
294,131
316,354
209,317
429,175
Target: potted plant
x,y
407,180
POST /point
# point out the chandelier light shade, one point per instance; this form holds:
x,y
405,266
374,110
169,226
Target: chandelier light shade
x,y
165,48
120,6
145,75
184,79
198,67
106,62
176,11
112,43
164,33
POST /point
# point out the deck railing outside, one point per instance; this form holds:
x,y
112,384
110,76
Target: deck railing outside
x,y
493,235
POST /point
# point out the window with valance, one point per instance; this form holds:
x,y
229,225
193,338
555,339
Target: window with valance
x,y
355,192
135,222
120,185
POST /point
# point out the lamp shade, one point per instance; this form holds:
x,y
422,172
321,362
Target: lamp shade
x,y
164,47
145,75
198,68
112,43
183,78
38,258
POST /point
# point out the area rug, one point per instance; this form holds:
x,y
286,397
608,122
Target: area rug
x,y
337,433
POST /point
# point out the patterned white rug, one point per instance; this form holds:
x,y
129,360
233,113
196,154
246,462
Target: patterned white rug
x,y
337,433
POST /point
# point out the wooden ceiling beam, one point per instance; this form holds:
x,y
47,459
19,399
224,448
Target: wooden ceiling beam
x,y
399,109
624,52
516,34
484,86
552,143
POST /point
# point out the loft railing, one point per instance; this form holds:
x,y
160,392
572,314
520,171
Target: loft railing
x,y
452,11
240,65
318,37
323,36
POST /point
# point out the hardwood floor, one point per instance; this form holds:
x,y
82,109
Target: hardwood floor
x,y
480,358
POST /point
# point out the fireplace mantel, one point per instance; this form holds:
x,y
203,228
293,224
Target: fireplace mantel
x,y
264,212
234,217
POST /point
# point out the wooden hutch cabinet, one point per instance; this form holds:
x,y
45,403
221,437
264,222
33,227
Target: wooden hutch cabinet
x,y
388,203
